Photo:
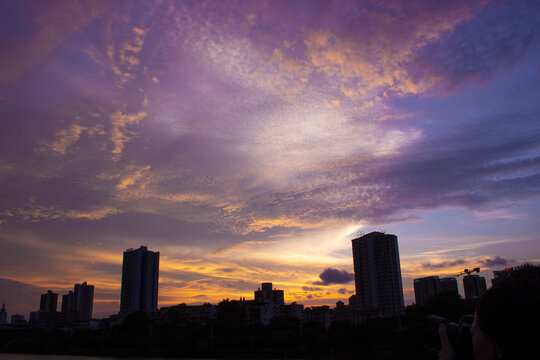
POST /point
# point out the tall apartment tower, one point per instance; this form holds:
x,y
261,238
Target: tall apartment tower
x,y
68,302
79,301
266,294
268,304
474,286
48,302
425,288
377,273
449,285
140,276
3,315
84,300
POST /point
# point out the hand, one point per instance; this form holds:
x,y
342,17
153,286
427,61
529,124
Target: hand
x,y
447,351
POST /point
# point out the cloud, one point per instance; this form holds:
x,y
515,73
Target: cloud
x,y
67,137
496,261
344,291
95,214
19,297
244,246
334,276
478,50
132,175
260,152
33,212
489,262
119,134
365,60
308,288
52,24
443,264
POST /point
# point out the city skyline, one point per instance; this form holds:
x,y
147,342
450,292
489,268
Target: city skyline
x,y
251,141
370,256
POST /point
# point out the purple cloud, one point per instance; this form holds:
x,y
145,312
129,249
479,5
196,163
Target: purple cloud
x,y
308,288
489,262
496,261
443,264
334,276
479,49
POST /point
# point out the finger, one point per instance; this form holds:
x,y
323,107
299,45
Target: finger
x,y
442,329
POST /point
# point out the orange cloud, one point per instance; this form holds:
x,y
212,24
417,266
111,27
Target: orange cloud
x,y
69,136
131,177
119,133
96,214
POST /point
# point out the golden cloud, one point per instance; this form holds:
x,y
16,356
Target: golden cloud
x,y
132,177
96,214
67,137
119,134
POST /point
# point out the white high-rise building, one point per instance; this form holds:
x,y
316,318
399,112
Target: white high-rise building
x,y
140,277
377,273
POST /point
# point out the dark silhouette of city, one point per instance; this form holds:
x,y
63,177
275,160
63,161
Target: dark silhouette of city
x,y
374,325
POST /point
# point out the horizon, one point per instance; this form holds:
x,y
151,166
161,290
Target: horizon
x,y
251,141
322,278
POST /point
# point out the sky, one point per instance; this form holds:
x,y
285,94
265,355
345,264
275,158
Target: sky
x,y
250,141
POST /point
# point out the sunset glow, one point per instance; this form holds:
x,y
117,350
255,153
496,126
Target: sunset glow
x,y
250,141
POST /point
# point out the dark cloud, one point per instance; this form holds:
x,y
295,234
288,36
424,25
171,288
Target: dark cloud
x,y
307,288
334,276
344,291
489,262
444,264
496,261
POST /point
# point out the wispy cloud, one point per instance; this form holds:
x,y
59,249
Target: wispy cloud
x,y
119,133
444,264
67,137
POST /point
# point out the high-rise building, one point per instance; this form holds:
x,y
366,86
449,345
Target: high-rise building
x,y
49,302
17,320
268,303
474,286
84,300
68,303
377,273
266,294
449,285
79,302
140,276
3,315
500,276
425,288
